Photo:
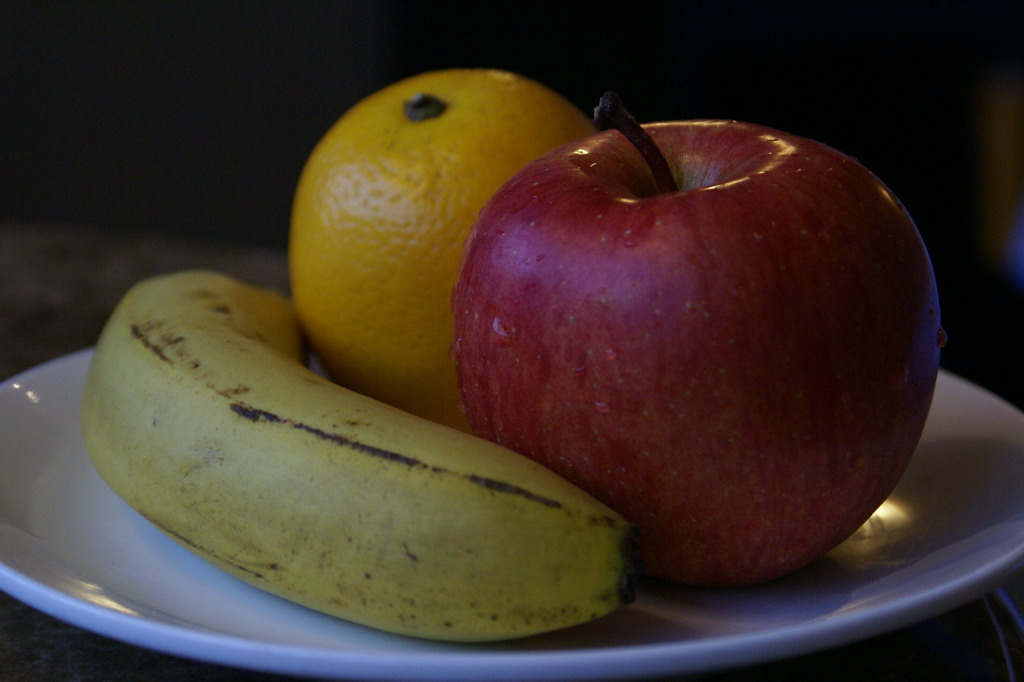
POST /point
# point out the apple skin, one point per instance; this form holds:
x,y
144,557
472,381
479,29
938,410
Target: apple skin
x,y
743,367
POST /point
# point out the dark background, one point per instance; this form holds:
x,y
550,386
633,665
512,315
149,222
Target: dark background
x,y
194,118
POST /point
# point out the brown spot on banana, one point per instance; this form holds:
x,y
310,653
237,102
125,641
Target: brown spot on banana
x,y
142,333
503,487
211,554
257,415
232,392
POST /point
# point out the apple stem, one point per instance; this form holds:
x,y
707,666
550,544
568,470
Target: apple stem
x,y
610,112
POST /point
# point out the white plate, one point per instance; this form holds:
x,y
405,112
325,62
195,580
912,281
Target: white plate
x,y
953,529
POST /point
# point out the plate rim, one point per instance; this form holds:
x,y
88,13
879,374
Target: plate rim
x,y
224,648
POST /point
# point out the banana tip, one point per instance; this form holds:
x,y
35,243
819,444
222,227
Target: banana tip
x,y
633,565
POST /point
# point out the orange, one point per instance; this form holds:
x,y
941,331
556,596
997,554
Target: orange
x,y
381,211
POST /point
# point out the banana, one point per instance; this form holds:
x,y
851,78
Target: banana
x,y
199,412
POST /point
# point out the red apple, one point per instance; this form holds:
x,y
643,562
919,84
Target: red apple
x,y
740,363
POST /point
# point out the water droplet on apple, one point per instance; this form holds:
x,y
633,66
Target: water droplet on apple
x,y
502,333
610,354
601,407
943,338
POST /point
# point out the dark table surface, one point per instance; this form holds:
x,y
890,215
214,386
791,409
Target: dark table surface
x,y
58,283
